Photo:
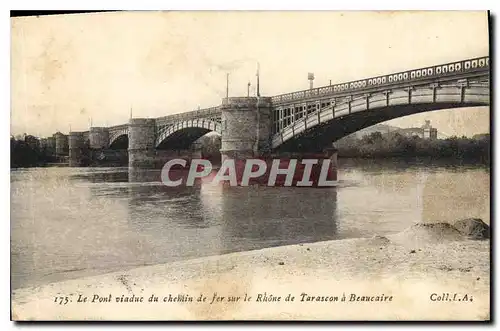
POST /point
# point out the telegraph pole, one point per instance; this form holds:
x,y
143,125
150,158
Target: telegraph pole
x,y
248,89
227,85
258,79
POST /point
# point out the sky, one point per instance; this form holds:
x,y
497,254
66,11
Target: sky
x,y
68,70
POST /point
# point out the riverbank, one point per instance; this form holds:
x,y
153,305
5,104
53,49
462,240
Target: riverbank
x,y
401,276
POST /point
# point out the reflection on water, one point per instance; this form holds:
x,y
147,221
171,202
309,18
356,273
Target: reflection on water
x,y
72,222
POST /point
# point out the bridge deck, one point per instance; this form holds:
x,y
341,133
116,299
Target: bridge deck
x,y
287,107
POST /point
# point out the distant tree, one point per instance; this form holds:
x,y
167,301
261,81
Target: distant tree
x,y
210,146
26,152
397,145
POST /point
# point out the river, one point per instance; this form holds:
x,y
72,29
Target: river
x,y
73,222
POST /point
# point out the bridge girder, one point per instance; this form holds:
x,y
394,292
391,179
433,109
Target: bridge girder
x,y
117,133
342,116
182,134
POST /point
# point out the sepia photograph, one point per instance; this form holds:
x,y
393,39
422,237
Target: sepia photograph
x,y
250,166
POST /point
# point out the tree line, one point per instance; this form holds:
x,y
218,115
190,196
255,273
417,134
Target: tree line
x,y
376,145
26,152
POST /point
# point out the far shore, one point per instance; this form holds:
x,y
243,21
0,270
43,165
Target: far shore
x,y
419,269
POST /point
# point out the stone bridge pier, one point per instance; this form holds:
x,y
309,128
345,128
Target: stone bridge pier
x,y
141,143
99,138
76,142
246,127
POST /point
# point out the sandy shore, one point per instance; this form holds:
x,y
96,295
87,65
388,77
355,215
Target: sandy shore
x,y
401,276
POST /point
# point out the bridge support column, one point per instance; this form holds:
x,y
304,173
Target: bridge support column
x,y
246,127
331,153
141,143
196,150
76,144
99,138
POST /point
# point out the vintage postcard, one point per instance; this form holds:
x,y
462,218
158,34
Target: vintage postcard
x,y
219,165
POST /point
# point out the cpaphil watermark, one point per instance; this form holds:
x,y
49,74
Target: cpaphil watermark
x,y
272,172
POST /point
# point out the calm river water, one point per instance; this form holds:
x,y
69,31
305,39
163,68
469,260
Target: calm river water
x,y
73,222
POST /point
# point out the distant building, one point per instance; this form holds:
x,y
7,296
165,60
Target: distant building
x,y
51,145
410,132
428,131
43,143
61,143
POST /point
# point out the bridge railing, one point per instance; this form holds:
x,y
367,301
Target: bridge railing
x,y
118,127
444,70
206,112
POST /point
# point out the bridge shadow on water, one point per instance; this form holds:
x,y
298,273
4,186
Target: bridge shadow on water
x,y
188,222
